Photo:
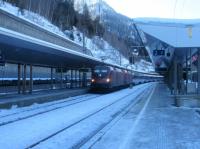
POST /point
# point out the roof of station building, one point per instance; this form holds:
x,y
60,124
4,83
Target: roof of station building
x,y
175,32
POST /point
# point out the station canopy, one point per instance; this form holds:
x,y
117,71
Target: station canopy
x,y
175,32
172,36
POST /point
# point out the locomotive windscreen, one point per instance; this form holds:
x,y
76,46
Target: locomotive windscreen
x,y
101,71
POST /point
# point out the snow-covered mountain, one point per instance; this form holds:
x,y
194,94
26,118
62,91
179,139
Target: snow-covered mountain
x,y
123,27
113,21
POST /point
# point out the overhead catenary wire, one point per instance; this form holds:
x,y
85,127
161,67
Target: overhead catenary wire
x,y
174,11
183,6
173,22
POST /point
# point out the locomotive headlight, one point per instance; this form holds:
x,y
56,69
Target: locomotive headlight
x,y
93,80
108,80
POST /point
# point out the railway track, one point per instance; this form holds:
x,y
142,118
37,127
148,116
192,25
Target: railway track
x,y
45,105
84,140
101,131
18,116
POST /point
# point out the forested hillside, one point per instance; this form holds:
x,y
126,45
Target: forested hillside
x,y
114,28
62,14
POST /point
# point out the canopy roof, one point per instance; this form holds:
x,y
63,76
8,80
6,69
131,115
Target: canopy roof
x,y
177,33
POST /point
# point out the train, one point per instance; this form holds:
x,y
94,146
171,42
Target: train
x,y
101,77
108,77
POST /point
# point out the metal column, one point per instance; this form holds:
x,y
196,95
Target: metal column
x,y
61,78
19,79
24,80
186,75
180,79
84,79
31,80
71,79
51,78
171,79
79,78
198,71
76,80
175,77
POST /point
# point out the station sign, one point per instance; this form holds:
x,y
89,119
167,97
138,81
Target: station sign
x,y
158,52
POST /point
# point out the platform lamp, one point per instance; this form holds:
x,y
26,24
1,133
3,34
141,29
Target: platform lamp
x,y
189,29
135,51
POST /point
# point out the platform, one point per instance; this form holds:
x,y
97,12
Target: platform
x,y
165,126
7,101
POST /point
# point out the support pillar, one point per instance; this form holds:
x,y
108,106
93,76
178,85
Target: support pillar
x,y
31,80
84,79
191,63
19,79
76,79
71,79
186,75
24,80
61,78
180,79
175,77
198,71
170,80
51,78
79,78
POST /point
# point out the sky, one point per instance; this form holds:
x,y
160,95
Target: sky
x,y
179,9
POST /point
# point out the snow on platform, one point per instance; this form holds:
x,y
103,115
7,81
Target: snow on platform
x,y
160,126
23,133
153,122
167,127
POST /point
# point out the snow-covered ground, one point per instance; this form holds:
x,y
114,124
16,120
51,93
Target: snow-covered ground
x,y
80,120
99,47
124,119
154,123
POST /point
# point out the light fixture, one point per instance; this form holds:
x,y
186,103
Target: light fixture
x,y
108,80
189,29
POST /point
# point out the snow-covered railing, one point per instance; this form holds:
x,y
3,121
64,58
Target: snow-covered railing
x,y
11,22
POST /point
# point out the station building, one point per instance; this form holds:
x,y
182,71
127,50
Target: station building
x,y
173,46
